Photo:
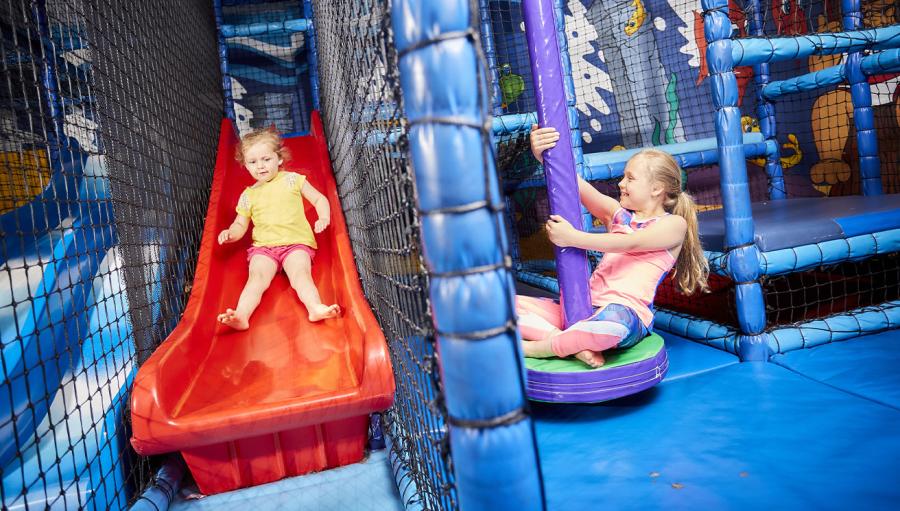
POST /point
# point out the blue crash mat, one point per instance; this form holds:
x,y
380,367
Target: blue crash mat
x,y
687,358
866,366
796,222
745,436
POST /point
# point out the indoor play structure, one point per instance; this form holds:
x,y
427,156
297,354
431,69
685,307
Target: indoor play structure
x,y
776,388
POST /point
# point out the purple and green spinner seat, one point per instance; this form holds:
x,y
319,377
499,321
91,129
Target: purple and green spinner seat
x,y
626,371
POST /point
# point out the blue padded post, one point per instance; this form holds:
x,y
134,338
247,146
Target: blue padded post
x,y
464,248
223,61
490,53
313,53
863,115
270,27
743,256
765,110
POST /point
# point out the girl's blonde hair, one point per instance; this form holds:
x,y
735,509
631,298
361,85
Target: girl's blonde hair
x,y
691,268
268,136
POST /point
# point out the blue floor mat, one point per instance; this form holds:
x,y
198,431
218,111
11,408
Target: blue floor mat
x,y
742,436
687,358
365,486
866,366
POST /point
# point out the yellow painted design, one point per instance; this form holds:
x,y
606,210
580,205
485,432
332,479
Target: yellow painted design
x,y
637,19
23,175
825,189
749,124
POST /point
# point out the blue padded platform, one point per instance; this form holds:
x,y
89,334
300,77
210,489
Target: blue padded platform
x,y
866,366
745,436
795,222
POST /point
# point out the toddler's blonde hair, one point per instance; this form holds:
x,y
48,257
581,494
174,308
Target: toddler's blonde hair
x,y
268,136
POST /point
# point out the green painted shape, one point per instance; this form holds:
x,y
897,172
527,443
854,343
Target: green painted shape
x,y
511,87
672,100
644,350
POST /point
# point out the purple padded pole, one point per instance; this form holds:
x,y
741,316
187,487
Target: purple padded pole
x,y
559,162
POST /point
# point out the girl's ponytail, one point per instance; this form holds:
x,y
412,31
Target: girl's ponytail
x,y
691,268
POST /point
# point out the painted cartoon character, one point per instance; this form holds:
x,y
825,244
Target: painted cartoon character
x,y
791,148
832,112
511,85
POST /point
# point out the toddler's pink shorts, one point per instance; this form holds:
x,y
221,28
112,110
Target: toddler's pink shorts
x,y
279,254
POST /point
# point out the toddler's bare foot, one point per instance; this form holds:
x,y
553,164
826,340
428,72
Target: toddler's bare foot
x,y
231,318
322,311
592,358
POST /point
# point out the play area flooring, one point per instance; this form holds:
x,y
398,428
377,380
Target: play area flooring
x,y
815,429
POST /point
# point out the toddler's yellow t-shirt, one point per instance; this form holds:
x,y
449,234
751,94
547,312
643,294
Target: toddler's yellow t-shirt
x,y
276,209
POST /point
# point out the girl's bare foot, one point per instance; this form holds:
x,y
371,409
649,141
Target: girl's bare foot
x,y
592,358
537,349
231,318
322,311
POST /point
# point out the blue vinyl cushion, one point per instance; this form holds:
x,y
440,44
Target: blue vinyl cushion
x,y
744,436
796,222
865,366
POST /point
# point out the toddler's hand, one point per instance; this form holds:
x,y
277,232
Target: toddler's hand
x,y
321,224
542,139
225,237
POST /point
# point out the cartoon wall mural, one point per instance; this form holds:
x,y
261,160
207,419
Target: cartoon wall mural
x,y
644,92
831,117
830,136
789,17
640,78
594,98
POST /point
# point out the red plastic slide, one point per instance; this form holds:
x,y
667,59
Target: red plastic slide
x,y
285,397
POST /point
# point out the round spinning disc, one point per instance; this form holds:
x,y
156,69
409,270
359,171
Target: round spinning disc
x,y
625,372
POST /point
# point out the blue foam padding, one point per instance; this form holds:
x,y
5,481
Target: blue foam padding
x,y
365,485
687,358
745,436
612,157
866,366
796,222
756,50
